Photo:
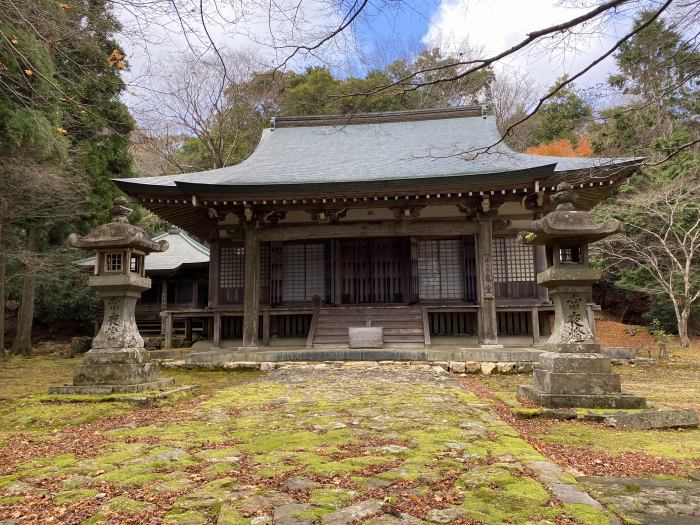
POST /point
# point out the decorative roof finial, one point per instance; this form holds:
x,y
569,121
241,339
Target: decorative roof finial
x,y
120,212
565,197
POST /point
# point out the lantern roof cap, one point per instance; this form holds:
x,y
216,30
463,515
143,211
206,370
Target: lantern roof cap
x,y
566,226
118,233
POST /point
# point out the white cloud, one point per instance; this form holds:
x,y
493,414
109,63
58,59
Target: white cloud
x,y
154,33
496,25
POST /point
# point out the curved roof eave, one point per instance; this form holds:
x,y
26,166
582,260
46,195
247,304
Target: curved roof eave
x,y
342,153
500,177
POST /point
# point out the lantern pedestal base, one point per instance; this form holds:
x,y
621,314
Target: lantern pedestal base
x,y
618,400
115,374
114,370
577,379
113,389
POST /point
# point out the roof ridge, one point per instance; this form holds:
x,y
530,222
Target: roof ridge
x,y
185,237
406,115
195,244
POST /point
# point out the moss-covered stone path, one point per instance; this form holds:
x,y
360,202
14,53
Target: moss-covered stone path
x,y
328,444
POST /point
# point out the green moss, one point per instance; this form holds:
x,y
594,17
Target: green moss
x,y
505,445
516,500
228,515
9,479
315,513
93,520
527,413
221,468
192,432
248,396
219,487
345,466
186,517
117,454
125,505
332,498
48,466
73,496
257,439
21,377
31,415
587,515
131,476
10,500
667,444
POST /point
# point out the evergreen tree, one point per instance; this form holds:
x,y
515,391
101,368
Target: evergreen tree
x,y
562,117
63,135
659,122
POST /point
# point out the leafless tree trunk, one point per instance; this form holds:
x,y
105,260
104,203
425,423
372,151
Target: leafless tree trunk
x,y
662,236
23,339
192,101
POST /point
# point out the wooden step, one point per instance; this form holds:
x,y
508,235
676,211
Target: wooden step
x,y
360,311
402,325
385,324
335,330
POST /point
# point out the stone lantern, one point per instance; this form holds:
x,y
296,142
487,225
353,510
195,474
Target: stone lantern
x,y
572,372
117,361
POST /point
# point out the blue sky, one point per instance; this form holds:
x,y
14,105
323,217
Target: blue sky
x,y
488,25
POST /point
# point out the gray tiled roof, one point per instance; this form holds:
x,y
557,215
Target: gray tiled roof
x,y
378,151
183,249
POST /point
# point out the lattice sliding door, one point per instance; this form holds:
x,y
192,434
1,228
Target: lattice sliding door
x,y
471,270
372,270
440,270
513,269
231,274
387,269
303,272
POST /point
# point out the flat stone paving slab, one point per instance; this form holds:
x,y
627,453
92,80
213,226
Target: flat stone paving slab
x,y
654,419
648,501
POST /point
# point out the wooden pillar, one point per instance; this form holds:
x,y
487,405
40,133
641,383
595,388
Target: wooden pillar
x,y
426,326
488,323
337,269
163,303
210,327
195,293
188,329
535,325
216,328
214,273
251,293
168,330
266,328
541,266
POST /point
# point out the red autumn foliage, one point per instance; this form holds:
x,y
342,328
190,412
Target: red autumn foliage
x,y
563,148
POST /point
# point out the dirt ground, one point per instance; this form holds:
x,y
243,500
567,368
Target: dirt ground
x,y
611,332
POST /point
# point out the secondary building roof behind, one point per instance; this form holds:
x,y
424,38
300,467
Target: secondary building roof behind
x,y
182,250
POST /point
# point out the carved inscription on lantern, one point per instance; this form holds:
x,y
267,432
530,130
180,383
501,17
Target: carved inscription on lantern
x,y
112,319
575,328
